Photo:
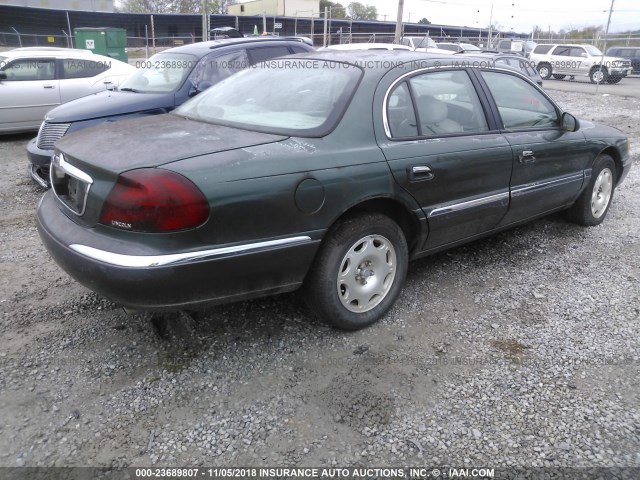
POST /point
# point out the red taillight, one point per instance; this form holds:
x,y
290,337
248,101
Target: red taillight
x,y
152,200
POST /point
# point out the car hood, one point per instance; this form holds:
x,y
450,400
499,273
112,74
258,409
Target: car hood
x,y
609,60
108,103
153,141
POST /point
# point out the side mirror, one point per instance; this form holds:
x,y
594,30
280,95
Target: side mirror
x,y
199,88
3,75
570,123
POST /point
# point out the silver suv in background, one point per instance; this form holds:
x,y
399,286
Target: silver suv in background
x,y
579,60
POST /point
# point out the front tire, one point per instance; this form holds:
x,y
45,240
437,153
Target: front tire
x,y
359,271
598,75
613,80
544,69
593,203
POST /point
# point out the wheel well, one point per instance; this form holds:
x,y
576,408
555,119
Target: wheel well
x,y
597,67
395,211
617,160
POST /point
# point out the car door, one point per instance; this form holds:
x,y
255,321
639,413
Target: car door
x,y
28,93
443,149
548,162
78,77
561,60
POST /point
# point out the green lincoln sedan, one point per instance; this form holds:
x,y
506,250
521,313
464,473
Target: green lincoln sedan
x,y
327,171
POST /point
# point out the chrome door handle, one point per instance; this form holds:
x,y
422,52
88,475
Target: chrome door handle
x,y
421,172
47,86
527,157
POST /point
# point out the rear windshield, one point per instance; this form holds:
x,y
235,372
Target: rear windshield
x,y
291,97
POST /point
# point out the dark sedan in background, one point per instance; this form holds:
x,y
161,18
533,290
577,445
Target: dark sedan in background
x,y
162,82
328,171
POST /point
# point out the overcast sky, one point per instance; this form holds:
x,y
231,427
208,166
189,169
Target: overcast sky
x,y
520,15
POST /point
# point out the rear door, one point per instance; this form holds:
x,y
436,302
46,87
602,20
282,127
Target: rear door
x,y
28,93
443,149
548,167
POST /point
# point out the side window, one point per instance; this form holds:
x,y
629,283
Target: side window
x,y
577,51
31,69
520,104
562,51
263,54
76,68
215,69
542,49
400,113
505,44
447,102
406,41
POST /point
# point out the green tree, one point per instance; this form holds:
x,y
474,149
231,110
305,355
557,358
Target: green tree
x,y
336,9
359,11
174,6
424,21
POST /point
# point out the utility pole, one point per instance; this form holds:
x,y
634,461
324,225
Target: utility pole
x,y
399,22
326,24
205,33
604,47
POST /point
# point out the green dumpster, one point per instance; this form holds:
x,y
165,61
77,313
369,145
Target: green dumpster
x,y
111,42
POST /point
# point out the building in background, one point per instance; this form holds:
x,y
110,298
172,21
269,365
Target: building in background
x,y
283,8
79,5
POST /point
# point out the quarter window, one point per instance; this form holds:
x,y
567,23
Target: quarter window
x,y
520,104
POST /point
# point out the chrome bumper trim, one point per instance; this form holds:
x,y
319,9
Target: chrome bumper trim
x,y
140,261
33,173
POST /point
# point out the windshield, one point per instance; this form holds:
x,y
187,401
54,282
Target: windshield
x,y
292,97
162,73
592,50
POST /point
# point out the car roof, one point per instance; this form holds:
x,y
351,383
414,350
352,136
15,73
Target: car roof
x,y
47,51
381,61
200,49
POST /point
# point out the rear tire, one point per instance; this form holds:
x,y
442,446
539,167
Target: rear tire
x,y
613,80
558,76
358,272
592,205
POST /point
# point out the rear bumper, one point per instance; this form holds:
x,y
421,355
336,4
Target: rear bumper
x,y
173,280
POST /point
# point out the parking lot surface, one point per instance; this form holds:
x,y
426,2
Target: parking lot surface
x,y
518,350
628,87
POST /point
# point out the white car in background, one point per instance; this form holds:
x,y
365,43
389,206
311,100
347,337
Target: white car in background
x,y
367,46
423,44
33,81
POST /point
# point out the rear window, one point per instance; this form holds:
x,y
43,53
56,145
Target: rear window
x,y
317,93
542,49
76,68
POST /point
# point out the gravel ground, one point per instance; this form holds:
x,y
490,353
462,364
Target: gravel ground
x,y
517,350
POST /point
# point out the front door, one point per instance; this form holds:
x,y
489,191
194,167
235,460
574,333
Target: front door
x,y
548,162
28,93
